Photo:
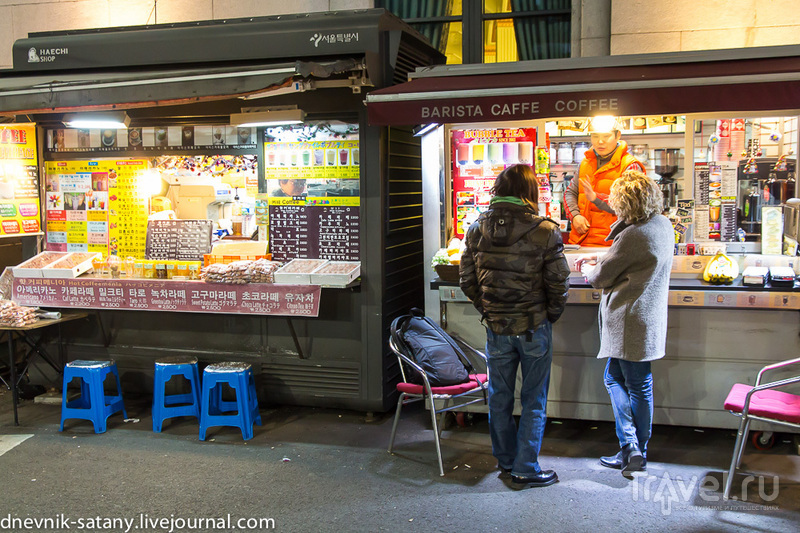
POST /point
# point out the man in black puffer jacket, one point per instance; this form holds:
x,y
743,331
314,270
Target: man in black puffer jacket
x,y
514,271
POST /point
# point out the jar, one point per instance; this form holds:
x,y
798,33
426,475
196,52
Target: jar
x,y
161,271
580,149
565,153
641,152
138,270
170,269
182,269
553,153
149,269
194,270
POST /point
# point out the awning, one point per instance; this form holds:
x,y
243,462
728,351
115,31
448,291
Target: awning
x,y
22,94
753,79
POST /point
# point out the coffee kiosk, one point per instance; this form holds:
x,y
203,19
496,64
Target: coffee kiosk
x,y
698,117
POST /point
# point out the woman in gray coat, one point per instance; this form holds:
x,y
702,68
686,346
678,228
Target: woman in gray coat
x,y
634,277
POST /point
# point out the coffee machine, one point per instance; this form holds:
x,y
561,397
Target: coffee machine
x,y
666,166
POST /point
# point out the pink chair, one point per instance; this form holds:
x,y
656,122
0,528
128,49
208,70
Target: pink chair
x,y
460,395
761,402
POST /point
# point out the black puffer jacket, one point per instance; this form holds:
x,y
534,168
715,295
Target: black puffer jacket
x,y
514,270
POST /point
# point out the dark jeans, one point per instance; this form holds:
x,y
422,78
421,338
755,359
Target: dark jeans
x,y
518,448
630,386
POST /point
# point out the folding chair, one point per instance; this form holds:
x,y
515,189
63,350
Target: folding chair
x,y
412,392
761,402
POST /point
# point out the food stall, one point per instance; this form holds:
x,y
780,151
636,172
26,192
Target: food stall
x,y
717,129
238,207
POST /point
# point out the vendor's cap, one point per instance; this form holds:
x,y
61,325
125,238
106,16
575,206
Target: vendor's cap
x,y
603,124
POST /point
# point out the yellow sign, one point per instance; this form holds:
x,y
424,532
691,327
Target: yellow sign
x,y
20,208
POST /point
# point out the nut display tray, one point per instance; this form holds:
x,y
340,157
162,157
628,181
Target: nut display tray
x,y
336,273
32,268
298,271
71,266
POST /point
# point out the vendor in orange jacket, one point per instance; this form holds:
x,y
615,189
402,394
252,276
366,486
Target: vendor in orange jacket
x,y
585,197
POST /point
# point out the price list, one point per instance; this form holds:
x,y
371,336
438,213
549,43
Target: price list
x,y
339,235
179,240
289,232
314,232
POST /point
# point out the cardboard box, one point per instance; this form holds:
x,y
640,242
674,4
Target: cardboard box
x,y
336,273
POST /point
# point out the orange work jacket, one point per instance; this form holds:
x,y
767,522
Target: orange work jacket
x,y
601,180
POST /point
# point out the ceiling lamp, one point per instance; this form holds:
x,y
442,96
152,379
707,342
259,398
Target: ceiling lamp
x,y
113,120
268,116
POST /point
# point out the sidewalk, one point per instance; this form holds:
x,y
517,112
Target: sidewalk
x,y
314,470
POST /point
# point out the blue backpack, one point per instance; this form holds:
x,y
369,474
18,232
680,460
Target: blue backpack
x,y
423,341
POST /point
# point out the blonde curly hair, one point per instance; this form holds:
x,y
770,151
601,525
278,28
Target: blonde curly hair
x,y
635,197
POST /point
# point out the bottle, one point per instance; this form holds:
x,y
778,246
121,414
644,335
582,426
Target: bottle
x,y
236,216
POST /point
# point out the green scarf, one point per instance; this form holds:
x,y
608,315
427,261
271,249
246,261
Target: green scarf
x,y
509,199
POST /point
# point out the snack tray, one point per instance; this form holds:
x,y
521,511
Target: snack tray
x,y
298,271
32,268
336,273
71,266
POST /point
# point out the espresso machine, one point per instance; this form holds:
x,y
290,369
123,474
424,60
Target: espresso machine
x,y
666,166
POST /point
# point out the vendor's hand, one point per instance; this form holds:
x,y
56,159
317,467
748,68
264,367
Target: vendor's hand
x,y
581,224
588,191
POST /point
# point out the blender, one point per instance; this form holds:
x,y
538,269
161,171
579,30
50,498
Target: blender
x,y
666,166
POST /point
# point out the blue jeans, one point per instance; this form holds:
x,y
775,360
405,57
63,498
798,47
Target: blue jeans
x,y
518,448
630,386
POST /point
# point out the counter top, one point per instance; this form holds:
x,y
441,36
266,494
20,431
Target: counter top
x,y
579,282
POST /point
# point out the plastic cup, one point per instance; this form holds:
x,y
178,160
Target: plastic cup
x,y
462,154
495,153
510,151
525,153
478,153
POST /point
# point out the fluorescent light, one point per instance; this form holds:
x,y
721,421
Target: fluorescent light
x,y
268,117
114,120
422,129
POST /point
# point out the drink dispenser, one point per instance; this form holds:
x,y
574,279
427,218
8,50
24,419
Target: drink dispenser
x,y
666,166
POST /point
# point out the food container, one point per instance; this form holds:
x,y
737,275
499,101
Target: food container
x,y
565,154
32,268
182,269
161,270
336,273
447,272
71,266
298,271
149,269
170,269
194,270
579,151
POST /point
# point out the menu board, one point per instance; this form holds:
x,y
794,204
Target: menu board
x,y
163,295
715,194
313,200
152,139
19,181
178,240
96,206
478,157
329,231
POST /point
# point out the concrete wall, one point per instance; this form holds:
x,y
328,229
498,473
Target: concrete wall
x,y
642,26
19,17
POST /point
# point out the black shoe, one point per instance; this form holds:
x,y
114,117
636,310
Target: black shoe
x,y
542,479
632,458
615,461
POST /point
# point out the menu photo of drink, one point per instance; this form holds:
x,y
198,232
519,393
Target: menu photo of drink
x,y
19,181
478,157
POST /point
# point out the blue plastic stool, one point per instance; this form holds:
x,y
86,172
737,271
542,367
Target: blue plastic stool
x,y
93,403
167,405
239,376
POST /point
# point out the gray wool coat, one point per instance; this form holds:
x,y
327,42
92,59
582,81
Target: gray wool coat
x,y
634,277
